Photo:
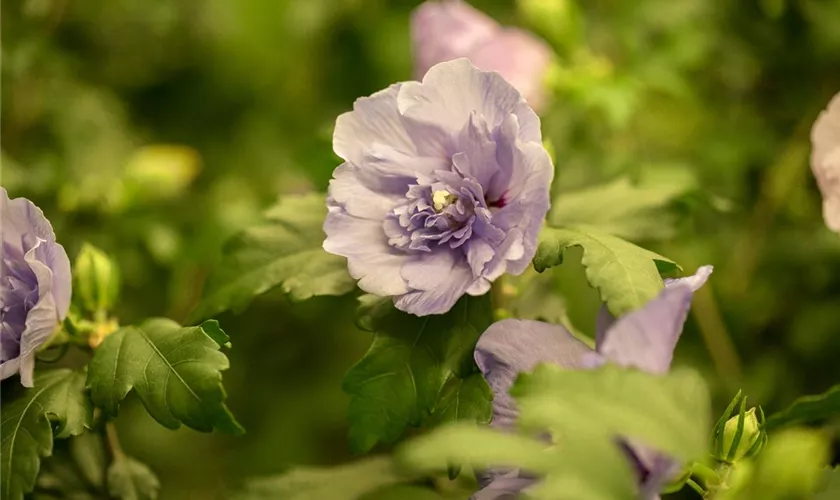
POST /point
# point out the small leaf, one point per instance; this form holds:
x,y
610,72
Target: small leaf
x,y
399,381
626,276
635,210
807,409
344,482
57,404
88,452
285,250
129,479
176,371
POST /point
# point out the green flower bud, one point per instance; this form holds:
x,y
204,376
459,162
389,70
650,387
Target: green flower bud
x,y
97,280
740,436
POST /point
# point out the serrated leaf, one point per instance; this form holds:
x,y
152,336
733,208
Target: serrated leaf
x,y
344,482
807,409
130,479
584,411
176,371
627,276
635,210
463,399
399,381
285,250
57,404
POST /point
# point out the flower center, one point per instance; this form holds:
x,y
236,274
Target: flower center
x,y
442,199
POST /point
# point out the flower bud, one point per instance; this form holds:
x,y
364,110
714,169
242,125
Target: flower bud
x,y
97,279
741,436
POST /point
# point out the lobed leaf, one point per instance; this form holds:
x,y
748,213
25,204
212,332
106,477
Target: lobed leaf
x,y
626,276
285,250
57,406
400,381
129,479
807,409
175,371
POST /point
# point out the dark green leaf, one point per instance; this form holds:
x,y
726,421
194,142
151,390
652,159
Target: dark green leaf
x,y
176,371
129,479
399,381
807,409
344,482
463,399
285,250
57,404
626,276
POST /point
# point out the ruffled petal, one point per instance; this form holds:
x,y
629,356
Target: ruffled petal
x,y
513,346
369,257
437,281
646,338
450,91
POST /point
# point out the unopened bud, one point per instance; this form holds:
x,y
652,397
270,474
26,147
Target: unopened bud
x,y
97,280
741,436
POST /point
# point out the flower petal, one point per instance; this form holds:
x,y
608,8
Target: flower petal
x,y
357,200
373,120
503,486
646,338
369,257
437,281
512,346
452,90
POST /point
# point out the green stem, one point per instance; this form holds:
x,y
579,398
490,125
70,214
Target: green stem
x,y
696,487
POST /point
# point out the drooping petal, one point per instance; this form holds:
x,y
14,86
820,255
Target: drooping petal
x,y
825,161
369,257
442,31
452,90
646,338
605,319
510,347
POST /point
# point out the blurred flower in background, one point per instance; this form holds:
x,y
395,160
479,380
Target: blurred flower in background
x,y
825,161
449,29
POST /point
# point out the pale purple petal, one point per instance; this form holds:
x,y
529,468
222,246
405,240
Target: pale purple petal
x,y
370,259
450,92
444,188
605,319
825,161
654,469
646,338
512,346
36,286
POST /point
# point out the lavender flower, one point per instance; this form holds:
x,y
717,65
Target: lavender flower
x,y
825,161
35,286
644,339
444,187
449,29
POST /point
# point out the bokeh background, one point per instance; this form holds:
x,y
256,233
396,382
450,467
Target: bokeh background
x,y
156,129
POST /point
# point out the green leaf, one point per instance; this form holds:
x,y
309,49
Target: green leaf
x,y
829,488
807,409
176,371
626,276
57,404
635,210
791,466
669,413
584,411
344,482
88,452
129,479
412,492
285,250
401,379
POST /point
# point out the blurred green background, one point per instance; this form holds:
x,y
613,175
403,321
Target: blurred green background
x,y
156,129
